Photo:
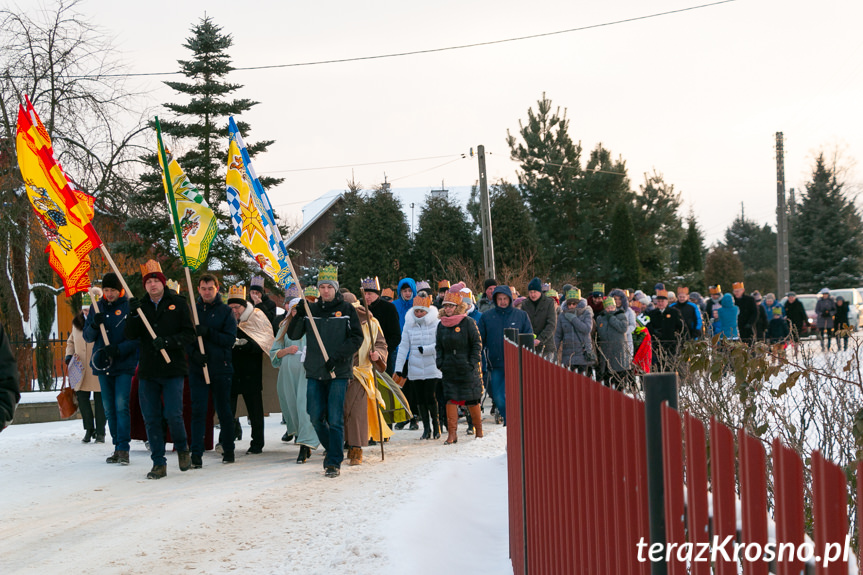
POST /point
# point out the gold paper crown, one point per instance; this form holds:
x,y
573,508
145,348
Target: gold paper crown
x,y
311,291
86,300
598,287
717,289
683,289
443,284
552,293
328,273
151,267
574,293
422,301
737,285
371,284
237,292
173,285
453,298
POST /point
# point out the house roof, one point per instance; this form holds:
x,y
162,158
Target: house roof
x,y
309,222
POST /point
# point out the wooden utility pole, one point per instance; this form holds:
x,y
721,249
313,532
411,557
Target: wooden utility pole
x,y
783,278
485,216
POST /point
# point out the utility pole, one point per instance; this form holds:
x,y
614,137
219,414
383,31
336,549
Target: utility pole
x,y
783,278
485,215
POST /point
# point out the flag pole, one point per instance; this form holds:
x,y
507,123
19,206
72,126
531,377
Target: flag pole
x,y
175,224
143,317
101,325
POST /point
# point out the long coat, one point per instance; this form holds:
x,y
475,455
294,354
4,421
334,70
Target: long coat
x,y
825,309
458,351
611,334
291,387
572,335
76,345
542,318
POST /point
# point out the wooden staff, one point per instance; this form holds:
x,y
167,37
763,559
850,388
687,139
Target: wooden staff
x,y
101,325
309,315
128,291
374,365
197,323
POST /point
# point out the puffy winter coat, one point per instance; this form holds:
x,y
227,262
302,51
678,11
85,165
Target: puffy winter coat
x,y
458,350
419,339
611,331
728,313
630,315
542,317
339,326
572,335
116,316
825,309
494,321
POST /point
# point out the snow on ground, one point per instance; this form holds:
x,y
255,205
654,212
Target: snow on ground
x,y
428,508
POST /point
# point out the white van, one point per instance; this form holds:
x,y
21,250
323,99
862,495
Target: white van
x,y
855,307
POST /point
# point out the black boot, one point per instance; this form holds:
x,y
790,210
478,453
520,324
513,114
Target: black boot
x,y
424,415
238,430
305,453
414,425
87,436
435,421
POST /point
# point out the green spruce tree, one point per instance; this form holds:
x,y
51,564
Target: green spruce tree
x,y
692,248
659,228
622,261
200,127
826,239
444,235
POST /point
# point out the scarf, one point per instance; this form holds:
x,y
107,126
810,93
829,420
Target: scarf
x,y
452,320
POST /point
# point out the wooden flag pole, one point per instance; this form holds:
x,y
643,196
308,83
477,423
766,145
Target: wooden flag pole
x,y
197,323
143,317
309,315
101,325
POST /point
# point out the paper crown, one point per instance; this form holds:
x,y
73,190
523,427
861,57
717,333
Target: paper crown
x,y
715,290
311,291
150,267
257,282
574,293
173,285
682,289
293,291
371,284
237,292
777,310
662,293
452,298
737,285
328,273
599,288
423,286
388,292
422,301
552,294
443,284
467,295
546,287
86,300
608,302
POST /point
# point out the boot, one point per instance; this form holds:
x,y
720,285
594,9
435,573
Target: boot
x,y
113,458
87,436
476,416
305,453
424,415
355,455
197,461
184,459
238,430
123,457
452,423
468,417
158,472
414,425
435,421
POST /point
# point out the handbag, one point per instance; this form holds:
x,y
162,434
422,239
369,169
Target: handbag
x,y
76,372
67,402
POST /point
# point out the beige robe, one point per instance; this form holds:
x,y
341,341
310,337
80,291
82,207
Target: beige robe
x,y
362,399
76,345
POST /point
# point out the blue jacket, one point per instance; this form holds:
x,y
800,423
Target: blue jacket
x,y
728,313
219,341
115,322
403,306
494,321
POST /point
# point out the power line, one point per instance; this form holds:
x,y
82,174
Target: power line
x,y
430,50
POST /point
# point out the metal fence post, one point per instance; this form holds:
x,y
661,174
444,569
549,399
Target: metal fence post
x,y
658,388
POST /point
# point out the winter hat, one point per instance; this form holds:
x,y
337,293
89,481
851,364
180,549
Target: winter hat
x,y
456,288
770,296
534,285
152,269
757,295
566,287
608,303
791,293
294,302
659,286
257,284
491,282
110,280
329,275
467,296
824,291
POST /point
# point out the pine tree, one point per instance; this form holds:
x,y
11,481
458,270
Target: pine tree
x,y
658,227
755,245
723,268
692,248
203,122
622,261
444,235
826,239
516,241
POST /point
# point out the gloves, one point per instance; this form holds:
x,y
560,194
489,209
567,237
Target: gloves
x,y
330,364
240,342
134,305
67,359
112,351
202,330
98,319
199,358
400,374
420,348
159,343
301,309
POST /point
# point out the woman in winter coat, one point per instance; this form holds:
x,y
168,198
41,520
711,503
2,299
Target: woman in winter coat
x,y
458,348
622,302
572,334
287,356
726,315
825,309
615,357
417,349
840,322
76,345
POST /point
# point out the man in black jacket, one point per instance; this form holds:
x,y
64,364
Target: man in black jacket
x,y
9,394
341,334
748,312
666,329
387,315
218,328
796,314
168,314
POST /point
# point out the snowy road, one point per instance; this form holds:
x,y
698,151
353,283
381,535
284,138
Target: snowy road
x,y
428,508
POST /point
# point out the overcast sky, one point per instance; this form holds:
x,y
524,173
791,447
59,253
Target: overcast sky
x,y
696,95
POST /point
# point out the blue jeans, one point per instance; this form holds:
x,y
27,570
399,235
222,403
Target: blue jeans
x,y
115,399
151,393
497,389
325,402
220,387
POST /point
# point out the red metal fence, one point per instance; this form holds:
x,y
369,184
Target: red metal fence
x,y
578,490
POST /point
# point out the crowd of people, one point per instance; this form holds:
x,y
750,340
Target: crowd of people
x,y
332,347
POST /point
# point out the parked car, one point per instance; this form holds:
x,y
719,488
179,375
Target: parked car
x,y
854,297
808,300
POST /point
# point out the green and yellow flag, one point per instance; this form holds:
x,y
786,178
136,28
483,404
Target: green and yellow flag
x,y
194,222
